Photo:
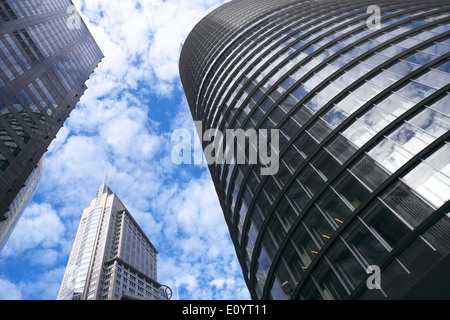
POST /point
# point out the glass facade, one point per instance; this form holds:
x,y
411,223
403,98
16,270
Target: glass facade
x,y
111,257
363,115
44,64
20,203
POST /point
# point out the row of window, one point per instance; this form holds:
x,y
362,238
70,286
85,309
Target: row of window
x,y
136,251
12,9
263,27
312,179
271,29
52,36
365,176
212,30
268,104
37,99
317,101
282,114
127,281
79,262
26,106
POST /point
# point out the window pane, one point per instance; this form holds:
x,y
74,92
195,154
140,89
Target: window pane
x,y
307,248
377,118
411,138
4,164
286,213
433,122
372,174
293,262
329,284
401,199
310,292
325,163
297,196
390,155
319,227
311,180
364,244
429,183
385,224
346,265
352,190
435,79
334,208
276,230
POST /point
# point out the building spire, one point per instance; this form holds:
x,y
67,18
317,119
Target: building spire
x,y
106,180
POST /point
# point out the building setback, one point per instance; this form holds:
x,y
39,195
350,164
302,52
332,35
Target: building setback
x,y
111,257
360,96
46,56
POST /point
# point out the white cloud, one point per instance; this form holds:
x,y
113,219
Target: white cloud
x,y
39,226
140,42
45,285
9,290
199,237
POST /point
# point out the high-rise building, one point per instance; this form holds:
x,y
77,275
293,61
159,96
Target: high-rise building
x,y
359,94
111,258
46,56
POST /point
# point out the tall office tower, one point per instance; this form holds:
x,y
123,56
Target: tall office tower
x,y
46,55
111,257
360,96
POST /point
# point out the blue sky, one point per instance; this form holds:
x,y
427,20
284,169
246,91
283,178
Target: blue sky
x,y
122,126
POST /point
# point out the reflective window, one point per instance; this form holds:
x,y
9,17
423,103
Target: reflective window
x,y
6,70
434,79
297,196
366,247
293,262
325,163
14,123
286,213
334,208
346,265
404,202
329,285
416,91
395,104
432,122
359,133
21,110
4,164
307,248
311,180
390,155
293,159
385,224
341,148
318,225
8,141
309,291
352,190
431,178
369,172
320,130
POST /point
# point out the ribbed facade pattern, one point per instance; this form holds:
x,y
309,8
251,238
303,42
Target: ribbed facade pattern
x,y
364,120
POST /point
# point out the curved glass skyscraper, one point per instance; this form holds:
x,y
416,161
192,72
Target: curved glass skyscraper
x,y
360,96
